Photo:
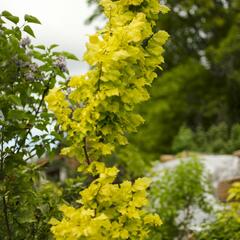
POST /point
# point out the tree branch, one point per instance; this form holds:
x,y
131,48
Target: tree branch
x,y
2,160
35,115
3,197
99,77
85,151
6,218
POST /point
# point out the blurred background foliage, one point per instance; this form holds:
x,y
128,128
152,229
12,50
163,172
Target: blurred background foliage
x,y
218,138
178,195
225,225
199,87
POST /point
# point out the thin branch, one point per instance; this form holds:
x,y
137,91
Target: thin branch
x,y
85,151
35,115
6,218
3,198
16,142
99,77
30,157
2,160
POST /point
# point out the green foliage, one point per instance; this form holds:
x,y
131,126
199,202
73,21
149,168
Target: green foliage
x,y
27,203
217,139
27,73
226,225
168,107
174,195
71,188
199,91
97,11
130,162
183,140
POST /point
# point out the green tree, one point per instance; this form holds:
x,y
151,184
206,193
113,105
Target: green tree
x,y
27,72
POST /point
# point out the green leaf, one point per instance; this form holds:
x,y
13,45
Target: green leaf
x,y
38,55
29,30
1,21
18,115
53,46
10,17
14,99
69,55
6,13
40,47
17,33
56,135
31,19
41,127
14,40
26,216
39,150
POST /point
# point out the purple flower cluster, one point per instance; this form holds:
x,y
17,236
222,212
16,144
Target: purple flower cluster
x,y
25,42
29,76
33,67
61,63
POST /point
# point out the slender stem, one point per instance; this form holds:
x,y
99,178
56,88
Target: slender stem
x,y
2,159
6,218
22,142
3,197
15,145
187,218
85,151
29,157
110,21
99,77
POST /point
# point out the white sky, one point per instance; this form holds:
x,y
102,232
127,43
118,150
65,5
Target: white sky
x,y
62,23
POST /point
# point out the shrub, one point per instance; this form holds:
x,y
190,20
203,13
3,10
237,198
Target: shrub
x,y
27,72
226,224
97,112
175,196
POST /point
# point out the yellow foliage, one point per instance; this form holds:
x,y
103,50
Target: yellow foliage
x,y
108,211
124,57
234,202
97,111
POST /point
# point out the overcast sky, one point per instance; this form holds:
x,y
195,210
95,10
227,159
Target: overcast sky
x,y
62,23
